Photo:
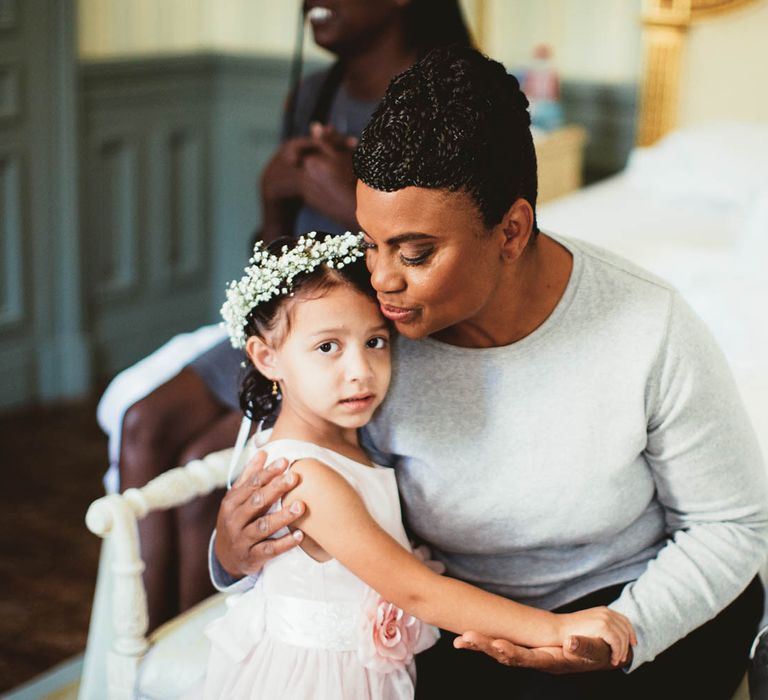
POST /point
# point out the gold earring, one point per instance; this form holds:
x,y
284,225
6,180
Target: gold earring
x,y
274,388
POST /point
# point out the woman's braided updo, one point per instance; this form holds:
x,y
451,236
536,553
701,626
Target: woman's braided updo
x,y
455,120
256,398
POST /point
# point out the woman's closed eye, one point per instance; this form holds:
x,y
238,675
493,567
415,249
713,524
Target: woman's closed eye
x,y
416,256
409,254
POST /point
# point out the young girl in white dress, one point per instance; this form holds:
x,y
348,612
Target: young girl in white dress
x,y
342,615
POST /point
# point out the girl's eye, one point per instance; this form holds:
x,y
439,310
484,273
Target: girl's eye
x,y
418,259
328,347
377,343
368,245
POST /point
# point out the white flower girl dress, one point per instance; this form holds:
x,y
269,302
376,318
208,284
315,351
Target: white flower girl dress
x,y
314,630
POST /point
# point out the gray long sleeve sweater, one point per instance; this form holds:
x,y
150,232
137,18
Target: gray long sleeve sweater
x,y
608,446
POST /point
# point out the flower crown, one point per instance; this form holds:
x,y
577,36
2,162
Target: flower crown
x,y
268,275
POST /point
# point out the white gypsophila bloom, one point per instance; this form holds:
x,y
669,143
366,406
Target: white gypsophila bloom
x,y
268,275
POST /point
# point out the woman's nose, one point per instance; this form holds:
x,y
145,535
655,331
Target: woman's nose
x,y
384,276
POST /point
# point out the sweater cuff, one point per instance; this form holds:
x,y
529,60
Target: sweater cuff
x,y
221,579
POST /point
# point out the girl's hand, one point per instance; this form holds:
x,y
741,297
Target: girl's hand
x,y
603,623
243,526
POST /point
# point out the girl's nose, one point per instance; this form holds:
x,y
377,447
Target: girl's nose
x,y
358,366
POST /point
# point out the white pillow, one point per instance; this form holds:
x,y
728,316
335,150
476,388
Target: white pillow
x,y
723,162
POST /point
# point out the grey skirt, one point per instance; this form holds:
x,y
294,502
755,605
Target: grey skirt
x,y
221,371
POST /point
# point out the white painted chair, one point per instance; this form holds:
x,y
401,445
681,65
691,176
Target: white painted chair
x,y
173,657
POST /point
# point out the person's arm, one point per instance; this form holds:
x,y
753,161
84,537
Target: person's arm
x,y
710,480
337,521
327,178
280,188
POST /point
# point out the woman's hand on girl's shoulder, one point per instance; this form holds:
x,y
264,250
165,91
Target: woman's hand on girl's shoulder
x,y
244,526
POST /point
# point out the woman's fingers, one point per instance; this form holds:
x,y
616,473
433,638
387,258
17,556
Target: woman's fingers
x,y
267,525
250,470
587,653
269,549
262,497
255,478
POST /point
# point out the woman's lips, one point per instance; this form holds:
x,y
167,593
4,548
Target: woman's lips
x,y
319,15
358,403
397,313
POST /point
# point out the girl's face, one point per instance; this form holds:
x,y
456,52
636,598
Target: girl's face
x,y
433,262
334,364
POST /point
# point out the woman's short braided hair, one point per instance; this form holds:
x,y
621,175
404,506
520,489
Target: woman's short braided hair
x,y
455,120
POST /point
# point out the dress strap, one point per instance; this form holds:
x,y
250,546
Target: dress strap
x,y
242,438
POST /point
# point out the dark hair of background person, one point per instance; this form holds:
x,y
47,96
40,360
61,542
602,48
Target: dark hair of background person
x,y
428,24
256,399
455,120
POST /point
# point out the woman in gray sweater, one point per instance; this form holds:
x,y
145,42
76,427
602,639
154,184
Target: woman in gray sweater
x,y
565,431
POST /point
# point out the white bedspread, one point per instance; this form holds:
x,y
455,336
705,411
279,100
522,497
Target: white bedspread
x,y
712,250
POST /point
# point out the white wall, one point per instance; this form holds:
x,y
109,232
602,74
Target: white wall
x,y
592,39
114,28
723,68
596,40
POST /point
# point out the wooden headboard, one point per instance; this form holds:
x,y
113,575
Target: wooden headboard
x,y
667,78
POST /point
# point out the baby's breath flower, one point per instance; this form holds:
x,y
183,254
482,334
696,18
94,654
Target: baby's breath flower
x,y
268,276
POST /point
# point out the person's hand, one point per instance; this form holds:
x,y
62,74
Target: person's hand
x,y
243,526
578,655
327,179
281,178
603,623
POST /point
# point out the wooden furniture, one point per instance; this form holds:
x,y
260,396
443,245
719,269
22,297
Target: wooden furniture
x,y
665,27
560,156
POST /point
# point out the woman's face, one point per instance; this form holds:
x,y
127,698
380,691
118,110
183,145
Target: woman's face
x,y
433,262
341,25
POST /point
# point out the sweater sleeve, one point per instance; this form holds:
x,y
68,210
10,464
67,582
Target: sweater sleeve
x,y
220,579
711,483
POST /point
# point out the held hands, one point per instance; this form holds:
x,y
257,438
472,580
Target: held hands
x,y
315,169
597,639
327,178
243,527
602,623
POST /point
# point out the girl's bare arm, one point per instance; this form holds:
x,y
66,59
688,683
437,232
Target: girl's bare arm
x,y
337,522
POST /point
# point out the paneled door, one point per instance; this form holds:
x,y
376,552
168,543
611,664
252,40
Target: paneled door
x,y
43,350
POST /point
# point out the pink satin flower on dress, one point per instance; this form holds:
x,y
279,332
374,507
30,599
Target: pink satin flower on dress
x,y
389,635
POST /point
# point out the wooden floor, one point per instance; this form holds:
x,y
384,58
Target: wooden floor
x,y
51,462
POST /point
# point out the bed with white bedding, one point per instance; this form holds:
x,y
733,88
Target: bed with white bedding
x,y
693,209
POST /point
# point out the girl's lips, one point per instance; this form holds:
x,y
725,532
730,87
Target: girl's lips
x,y
397,313
358,403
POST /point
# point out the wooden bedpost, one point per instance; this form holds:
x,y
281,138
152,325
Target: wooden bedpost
x,y
665,26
